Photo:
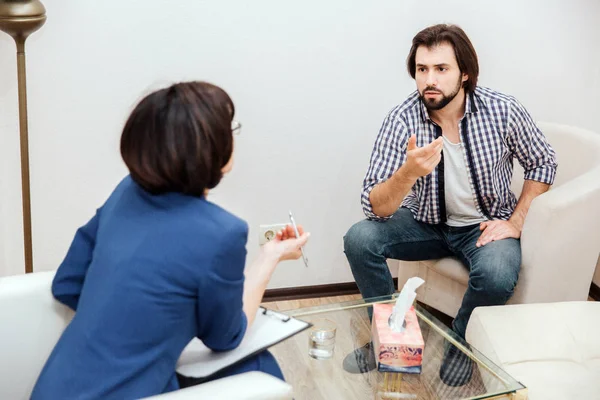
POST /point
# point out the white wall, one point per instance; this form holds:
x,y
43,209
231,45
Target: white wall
x,y
311,81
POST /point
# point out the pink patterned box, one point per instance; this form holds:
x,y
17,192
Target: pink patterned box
x,y
396,349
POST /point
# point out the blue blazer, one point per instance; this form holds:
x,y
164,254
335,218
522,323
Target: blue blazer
x,y
145,275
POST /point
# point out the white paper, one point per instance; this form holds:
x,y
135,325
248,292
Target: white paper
x,y
404,302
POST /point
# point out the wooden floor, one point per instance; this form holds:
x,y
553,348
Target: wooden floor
x,y
293,304
314,379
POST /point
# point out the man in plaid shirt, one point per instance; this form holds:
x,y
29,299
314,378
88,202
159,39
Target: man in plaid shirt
x,y
438,182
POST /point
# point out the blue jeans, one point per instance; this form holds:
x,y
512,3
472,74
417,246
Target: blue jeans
x,y
493,268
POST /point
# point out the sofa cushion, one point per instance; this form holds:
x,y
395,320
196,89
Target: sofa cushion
x,y
450,267
552,348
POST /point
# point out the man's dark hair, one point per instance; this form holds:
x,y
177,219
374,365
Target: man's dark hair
x,y
464,51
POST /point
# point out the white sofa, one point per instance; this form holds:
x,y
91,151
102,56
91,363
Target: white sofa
x,y
552,348
560,241
32,321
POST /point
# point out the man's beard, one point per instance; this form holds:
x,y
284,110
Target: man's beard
x,y
433,104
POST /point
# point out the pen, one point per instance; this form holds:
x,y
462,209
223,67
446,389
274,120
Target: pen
x,y
298,235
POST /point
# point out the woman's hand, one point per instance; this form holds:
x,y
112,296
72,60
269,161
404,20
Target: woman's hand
x,y
285,245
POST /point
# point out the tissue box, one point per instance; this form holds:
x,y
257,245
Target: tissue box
x,y
397,351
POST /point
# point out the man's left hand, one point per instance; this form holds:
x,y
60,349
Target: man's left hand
x,y
497,230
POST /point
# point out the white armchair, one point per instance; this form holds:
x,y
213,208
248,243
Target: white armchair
x,y
32,322
560,241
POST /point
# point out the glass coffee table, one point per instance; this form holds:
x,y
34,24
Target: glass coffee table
x,y
351,373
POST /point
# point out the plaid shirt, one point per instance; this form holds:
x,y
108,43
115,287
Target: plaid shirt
x,y
494,129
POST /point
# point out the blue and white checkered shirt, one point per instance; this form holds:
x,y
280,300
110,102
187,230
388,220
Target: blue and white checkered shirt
x,y
494,129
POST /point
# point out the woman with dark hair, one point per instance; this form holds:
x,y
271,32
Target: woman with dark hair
x,y
159,264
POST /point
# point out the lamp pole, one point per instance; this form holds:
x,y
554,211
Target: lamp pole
x,y
20,18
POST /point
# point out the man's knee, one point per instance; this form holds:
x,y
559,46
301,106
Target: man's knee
x,y
498,272
501,286
361,238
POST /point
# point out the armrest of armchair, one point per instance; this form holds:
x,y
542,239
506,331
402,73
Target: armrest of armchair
x,y
247,386
560,242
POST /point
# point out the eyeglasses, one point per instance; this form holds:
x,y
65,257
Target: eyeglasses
x,y
236,127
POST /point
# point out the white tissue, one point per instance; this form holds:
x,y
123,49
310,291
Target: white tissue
x,y
404,302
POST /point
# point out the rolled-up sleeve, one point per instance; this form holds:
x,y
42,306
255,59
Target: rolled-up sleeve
x,y
388,154
530,146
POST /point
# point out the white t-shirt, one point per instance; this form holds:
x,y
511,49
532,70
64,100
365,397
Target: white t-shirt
x,y
460,199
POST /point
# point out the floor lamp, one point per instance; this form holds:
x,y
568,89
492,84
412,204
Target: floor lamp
x,y
20,18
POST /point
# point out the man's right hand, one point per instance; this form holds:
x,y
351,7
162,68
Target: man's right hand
x,y
387,196
420,161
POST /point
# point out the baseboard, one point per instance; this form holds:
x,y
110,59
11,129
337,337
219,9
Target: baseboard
x,y
595,292
309,292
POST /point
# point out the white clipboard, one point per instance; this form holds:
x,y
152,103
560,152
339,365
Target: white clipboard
x,y
268,329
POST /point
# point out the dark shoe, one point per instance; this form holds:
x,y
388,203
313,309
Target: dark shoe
x,y
457,367
360,360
